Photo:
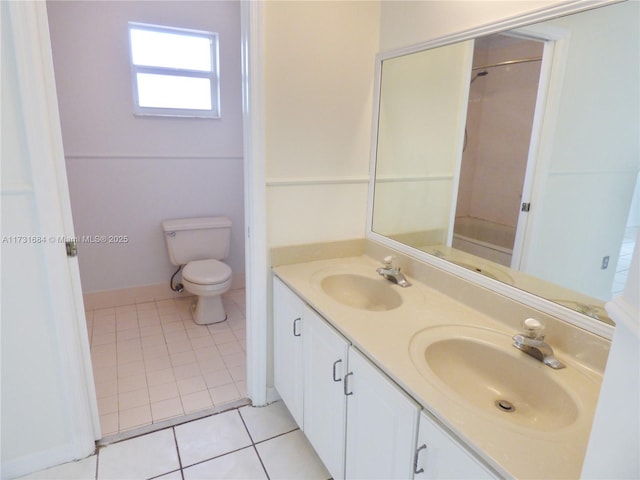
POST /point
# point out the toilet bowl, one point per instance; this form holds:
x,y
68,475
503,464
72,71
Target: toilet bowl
x,y
208,279
199,245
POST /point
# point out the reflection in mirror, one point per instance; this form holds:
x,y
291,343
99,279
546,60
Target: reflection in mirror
x,y
501,106
516,155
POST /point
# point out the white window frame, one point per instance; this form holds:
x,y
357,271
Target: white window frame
x,y
213,76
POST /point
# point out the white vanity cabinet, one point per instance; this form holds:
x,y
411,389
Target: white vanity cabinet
x,y
438,455
288,310
361,424
358,421
381,424
325,406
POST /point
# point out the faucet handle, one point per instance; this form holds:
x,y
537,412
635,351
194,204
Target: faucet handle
x,y
388,261
533,328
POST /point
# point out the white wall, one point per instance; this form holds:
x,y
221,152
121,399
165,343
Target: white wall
x,y
319,70
405,23
126,173
593,153
615,436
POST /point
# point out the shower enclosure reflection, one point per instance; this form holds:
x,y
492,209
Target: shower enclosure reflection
x,y
501,107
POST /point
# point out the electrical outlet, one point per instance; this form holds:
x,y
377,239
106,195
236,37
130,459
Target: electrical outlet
x,y
605,262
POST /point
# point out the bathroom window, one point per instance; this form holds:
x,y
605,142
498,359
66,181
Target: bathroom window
x,y
174,71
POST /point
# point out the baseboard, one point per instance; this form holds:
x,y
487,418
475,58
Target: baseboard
x,y
141,294
43,459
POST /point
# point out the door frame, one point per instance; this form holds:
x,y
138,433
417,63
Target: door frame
x,y
256,255
554,58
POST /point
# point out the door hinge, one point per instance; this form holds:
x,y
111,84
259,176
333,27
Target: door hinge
x,y
525,207
72,248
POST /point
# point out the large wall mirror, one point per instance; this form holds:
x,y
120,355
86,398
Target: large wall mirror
x,y
516,156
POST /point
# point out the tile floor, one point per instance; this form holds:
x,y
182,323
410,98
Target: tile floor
x,y
624,260
151,362
245,443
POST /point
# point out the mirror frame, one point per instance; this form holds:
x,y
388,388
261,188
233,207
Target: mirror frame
x,y
540,303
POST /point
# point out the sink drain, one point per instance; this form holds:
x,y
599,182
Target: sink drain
x,y
505,405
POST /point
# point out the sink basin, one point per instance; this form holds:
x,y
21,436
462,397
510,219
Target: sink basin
x,y
481,368
361,292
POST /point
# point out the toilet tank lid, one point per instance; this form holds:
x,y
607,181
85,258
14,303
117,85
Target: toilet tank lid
x,y
197,223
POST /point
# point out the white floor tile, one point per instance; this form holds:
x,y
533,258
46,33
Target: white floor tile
x,y
242,388
139,458
191,385
134,398
267,422
159,377
164,391
154,346
218,378
193,402
243,464
185,372
132,382
84,469
164,409
170,476
210,437
238,373
234,359
161,362
109,423
134,417
224,394
290,456
108,404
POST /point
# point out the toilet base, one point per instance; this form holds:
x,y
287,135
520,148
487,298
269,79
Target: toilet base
x,y
208,310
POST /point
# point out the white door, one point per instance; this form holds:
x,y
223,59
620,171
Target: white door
x,y
49,412
382,423
287,340
325,358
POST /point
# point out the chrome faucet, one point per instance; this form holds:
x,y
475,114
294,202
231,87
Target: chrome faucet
x,y
392,272
532,343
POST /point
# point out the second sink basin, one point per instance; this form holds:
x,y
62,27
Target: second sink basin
x,y
483,370
361,292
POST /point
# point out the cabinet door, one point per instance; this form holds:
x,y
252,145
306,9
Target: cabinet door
x,y
325,358
382,424
440,456
287,340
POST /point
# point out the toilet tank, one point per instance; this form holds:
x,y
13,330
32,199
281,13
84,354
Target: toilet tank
x,y
198,238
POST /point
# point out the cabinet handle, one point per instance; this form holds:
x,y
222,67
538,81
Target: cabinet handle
x,y
415,459
296,333
335,364
346,383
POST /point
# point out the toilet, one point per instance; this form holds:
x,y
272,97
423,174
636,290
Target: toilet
x,y
199,244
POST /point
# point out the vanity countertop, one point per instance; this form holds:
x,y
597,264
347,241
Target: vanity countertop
x,y
520,451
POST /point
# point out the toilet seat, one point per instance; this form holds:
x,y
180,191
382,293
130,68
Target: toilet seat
x,y
206,272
